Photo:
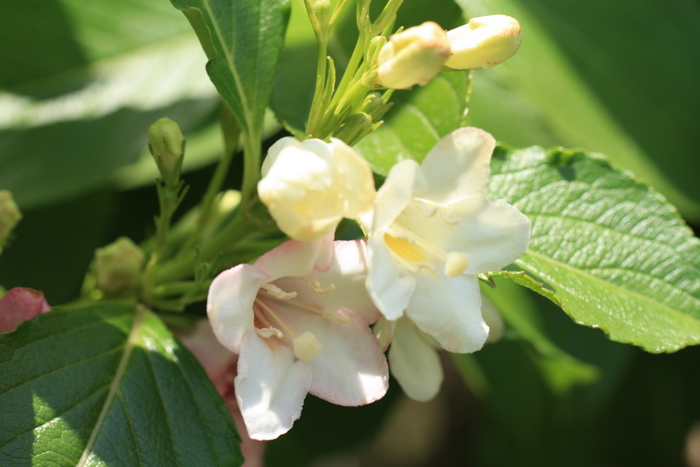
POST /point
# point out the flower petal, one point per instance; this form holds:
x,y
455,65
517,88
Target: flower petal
x,y
270,387
20,304
449,309
389,284
230,303
458,166
492,234
351,369
414,363
296,258
395,194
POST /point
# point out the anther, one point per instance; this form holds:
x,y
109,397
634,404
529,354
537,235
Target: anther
x,y
445,214
266,333
316,286
277,292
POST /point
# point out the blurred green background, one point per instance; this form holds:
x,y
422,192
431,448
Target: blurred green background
x,y
81,81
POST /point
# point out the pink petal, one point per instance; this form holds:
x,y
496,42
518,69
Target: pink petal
x,y
270,386
230,303
352,369
20,304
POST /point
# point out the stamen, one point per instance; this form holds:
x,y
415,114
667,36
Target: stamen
x,y
266,333
445,214
277,319
316,286
276,292
427,211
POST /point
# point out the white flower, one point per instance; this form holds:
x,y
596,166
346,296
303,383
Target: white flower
x,y
413,56
433,231
484,42
299,320
309,186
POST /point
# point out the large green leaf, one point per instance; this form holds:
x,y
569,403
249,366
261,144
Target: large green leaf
x,y
81,83
106,385
243,41
417,121
613,77
617,256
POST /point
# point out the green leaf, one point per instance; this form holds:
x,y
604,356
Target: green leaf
x,y
243,41
614,252
108,384
613,77
418,120
82,83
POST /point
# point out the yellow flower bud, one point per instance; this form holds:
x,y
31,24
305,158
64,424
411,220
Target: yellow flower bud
x,y
414,56
484,42
118,266
9,215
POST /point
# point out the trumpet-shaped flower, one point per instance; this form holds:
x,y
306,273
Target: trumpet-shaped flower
x,y
299,320
433,231
309,186
413,56
484,42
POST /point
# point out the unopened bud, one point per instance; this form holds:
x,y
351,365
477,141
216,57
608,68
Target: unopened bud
x,y
413,56
484,42
324,11
356,127
167,145
118,266
9,215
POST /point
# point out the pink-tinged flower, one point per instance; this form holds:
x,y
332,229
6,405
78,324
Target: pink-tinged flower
x,y
433,231
298,318
20,304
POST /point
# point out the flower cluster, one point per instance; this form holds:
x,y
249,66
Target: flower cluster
x,y
299,317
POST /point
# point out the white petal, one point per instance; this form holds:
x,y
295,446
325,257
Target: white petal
x,y
389,284
270,387
296,258
414,363
449,309
354,178
230,303
351,369
346,274
492,234
458,166
395,194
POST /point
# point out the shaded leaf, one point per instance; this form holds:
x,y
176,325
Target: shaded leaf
x,y
107,384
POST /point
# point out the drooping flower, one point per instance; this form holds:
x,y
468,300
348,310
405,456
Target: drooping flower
x,y
433,231
20,304
413,56
309,186
413,355
484,42
299,320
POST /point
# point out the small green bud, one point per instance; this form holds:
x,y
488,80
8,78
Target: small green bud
x,y
324,12
118,266
9,215
356,127
167,145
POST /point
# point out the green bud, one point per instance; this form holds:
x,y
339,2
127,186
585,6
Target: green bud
x,y
324,11
9,215
356,127
118,266
167,145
